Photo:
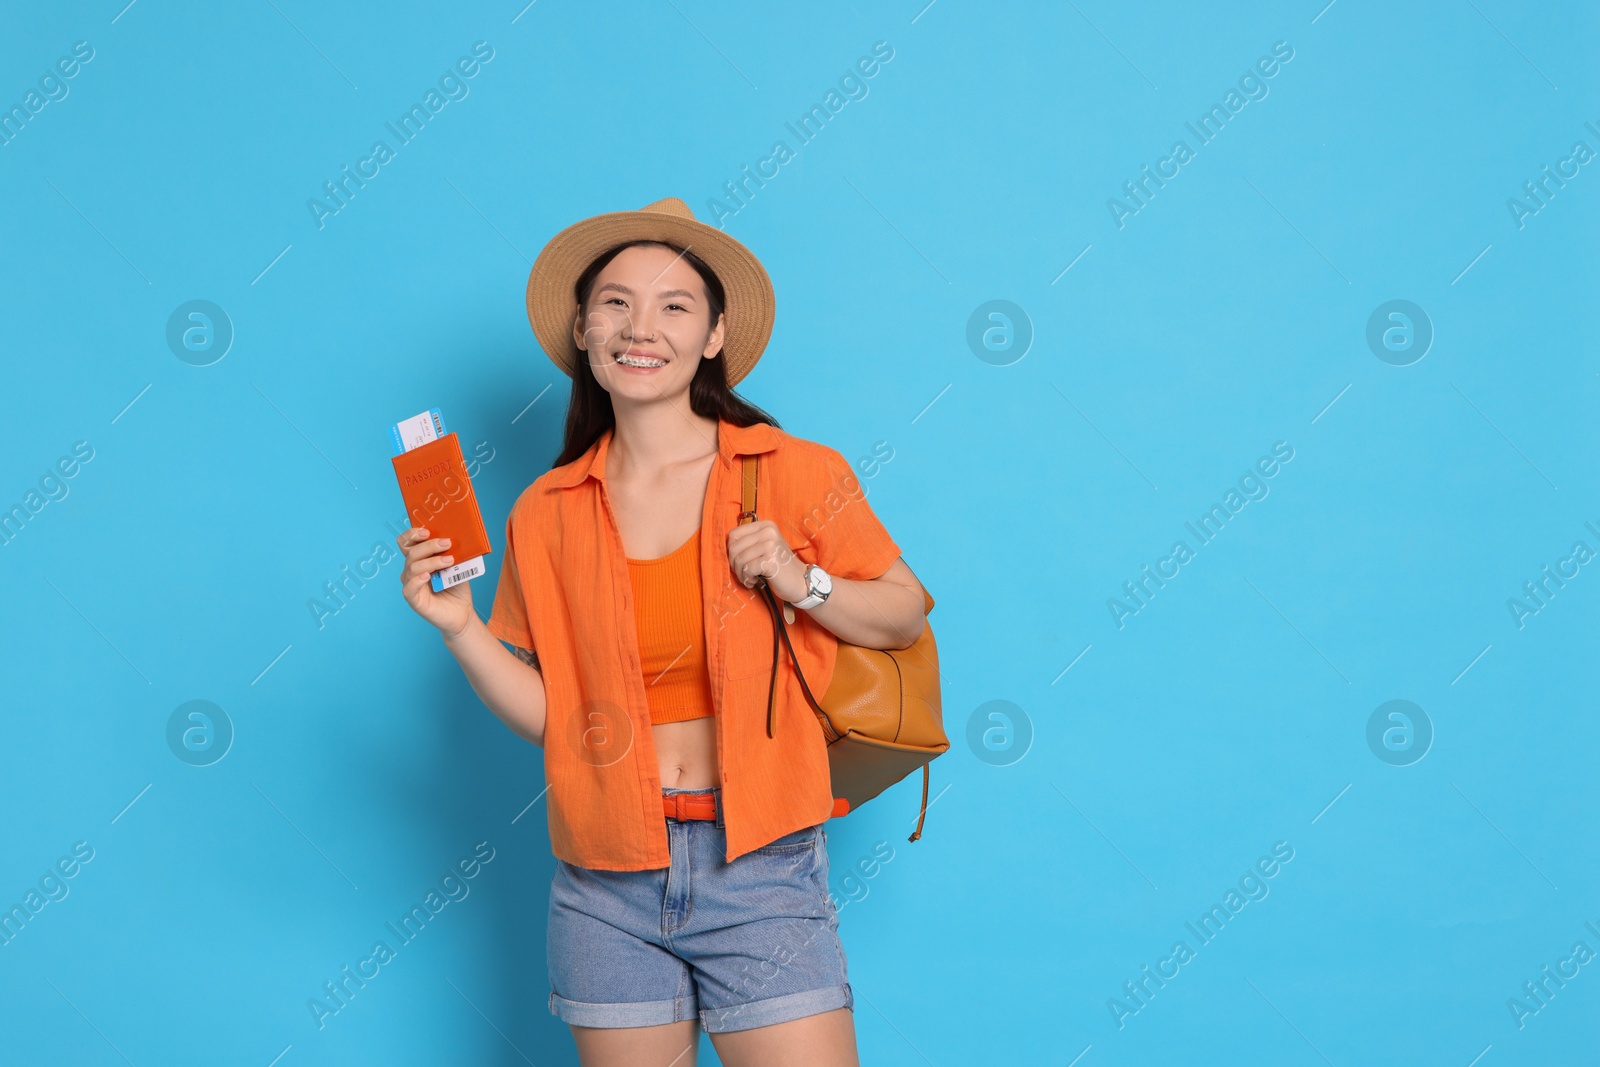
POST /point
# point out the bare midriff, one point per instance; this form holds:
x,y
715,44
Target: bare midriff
x,y
686,752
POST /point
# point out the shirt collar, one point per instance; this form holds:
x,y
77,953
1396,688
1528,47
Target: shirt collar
x,y
732,441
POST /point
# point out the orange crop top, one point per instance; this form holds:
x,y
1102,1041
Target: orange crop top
x,y
668,608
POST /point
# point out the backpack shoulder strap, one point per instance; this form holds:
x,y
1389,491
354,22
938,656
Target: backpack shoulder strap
x,y
748,514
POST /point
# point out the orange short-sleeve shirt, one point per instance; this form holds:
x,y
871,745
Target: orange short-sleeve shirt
x,y
564,592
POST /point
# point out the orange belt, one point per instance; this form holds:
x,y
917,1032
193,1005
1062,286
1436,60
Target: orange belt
x,y
704,806
690,805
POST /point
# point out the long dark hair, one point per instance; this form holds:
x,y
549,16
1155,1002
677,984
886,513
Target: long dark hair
x,y
589,410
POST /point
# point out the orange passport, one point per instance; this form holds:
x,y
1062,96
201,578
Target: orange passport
x,y
438,495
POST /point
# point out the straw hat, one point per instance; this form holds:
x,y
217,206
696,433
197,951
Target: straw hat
x,y
552,305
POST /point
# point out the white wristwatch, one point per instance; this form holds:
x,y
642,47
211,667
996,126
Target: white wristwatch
x,y
818,586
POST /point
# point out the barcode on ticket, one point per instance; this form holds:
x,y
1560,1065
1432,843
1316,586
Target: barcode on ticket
x,y
457,573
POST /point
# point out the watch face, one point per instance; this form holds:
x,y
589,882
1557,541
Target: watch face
x,y
818,581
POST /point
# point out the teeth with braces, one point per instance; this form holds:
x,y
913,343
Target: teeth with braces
x,y
632,361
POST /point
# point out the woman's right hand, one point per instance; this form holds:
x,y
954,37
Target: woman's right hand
x,y
450,610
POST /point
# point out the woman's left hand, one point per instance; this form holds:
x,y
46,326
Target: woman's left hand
x,y
756,549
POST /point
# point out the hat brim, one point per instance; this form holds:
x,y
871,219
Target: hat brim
x,y
552,305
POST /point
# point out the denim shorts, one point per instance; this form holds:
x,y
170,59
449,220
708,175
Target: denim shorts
x,y
740,945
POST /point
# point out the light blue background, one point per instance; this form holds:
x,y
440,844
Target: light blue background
x,y
1228,314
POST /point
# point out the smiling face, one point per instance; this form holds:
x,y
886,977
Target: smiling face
x,y
648,307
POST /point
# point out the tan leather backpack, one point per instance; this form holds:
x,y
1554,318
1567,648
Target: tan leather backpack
x,y
882,715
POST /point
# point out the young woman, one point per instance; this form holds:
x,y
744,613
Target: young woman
x,y
641,653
